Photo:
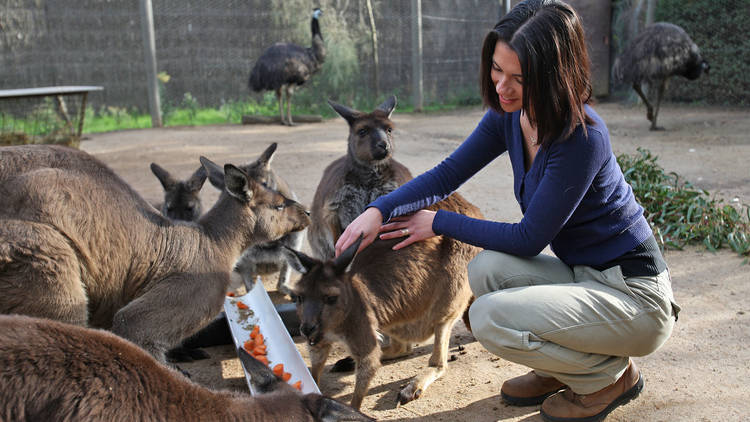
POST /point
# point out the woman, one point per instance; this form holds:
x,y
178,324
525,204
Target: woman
x,y
576,318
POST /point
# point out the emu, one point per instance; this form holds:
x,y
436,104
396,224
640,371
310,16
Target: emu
x,y
79,245
181,197
284,66
661,51
55,371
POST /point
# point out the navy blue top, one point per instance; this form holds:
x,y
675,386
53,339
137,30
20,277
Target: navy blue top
x,y
574,197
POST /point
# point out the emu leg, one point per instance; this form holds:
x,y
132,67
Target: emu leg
x,y
279,98
436,368
289,91
659,96
649,109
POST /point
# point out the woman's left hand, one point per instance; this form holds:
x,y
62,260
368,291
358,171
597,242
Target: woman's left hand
x,y
415,227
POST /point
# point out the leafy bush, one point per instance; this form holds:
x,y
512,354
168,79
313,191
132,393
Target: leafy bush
x,y
679,214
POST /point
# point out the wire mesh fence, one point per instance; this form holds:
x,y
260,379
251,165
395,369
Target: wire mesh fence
x,y
41,119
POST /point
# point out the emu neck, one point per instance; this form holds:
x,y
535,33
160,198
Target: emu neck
x,y
318,47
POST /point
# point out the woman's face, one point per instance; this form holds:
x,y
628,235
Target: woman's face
x,y
506,75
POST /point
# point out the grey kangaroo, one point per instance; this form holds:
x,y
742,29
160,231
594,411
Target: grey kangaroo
x,y
182,199
55,371
79,245
409,294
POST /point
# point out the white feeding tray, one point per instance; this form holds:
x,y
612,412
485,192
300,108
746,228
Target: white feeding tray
x,y
279,345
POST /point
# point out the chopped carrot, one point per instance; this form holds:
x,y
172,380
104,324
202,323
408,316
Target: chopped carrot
x,y
286,376
230,294
249,346
278,369
298,385
262,359
242,305
255,332
259,339
259,351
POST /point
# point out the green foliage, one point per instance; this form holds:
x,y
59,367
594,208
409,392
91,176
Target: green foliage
x,y
679,214
718,28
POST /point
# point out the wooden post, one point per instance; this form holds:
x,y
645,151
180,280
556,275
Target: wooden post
x,y
375,60
416,55
149,49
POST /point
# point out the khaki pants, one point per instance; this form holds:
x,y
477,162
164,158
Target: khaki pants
x,y
579,326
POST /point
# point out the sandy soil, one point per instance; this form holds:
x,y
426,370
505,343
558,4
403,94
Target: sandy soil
x,y
699,375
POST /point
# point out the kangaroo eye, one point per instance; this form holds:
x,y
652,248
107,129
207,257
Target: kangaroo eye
x,y
330,300
362,132
389,130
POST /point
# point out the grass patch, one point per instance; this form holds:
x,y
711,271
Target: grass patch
x,y
680,214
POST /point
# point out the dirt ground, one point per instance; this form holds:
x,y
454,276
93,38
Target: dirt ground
x,y
700,374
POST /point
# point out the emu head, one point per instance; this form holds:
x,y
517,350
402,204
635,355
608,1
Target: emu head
x,y
323,294
370,142
264,214
181,198
314,406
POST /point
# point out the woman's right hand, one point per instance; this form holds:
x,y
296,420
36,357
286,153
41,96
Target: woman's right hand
x,y
367,224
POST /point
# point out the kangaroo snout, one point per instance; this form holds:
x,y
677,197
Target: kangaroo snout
x,y
311,332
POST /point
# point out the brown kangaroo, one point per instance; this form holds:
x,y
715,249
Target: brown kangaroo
x,y
367,171
55,371
268,258
409,294
182,199
79,245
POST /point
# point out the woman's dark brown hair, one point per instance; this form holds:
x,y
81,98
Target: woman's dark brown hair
x,y
548,38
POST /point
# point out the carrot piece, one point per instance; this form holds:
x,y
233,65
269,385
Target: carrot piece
x,y
278,369
249,346
255,332
259,339
242,305
259,351
262,359
230,294
286,376
298,385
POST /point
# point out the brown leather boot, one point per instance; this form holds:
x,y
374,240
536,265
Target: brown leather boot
x,y
530,389
568,406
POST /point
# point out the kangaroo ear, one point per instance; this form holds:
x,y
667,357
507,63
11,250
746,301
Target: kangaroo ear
x,y
167,182
341,263
297,260
215,173
237,183
265,158
388,105
347,113
261,376
196,181
329,410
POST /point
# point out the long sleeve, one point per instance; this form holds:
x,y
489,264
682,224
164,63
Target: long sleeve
x,y
484,144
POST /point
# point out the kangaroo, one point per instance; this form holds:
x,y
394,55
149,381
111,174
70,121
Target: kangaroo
x,y
367,171
79,245
55,371
409,294
268,258
181,197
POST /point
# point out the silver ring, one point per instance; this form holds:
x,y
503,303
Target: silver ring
x,y
404,232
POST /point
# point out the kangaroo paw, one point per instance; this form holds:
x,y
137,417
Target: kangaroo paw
x,y
346,364
409,393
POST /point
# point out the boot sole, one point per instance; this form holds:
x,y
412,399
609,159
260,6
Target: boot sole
x,y
622,399
527,401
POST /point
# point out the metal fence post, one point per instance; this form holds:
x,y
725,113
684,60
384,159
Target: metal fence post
x,y
416,55
149,49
